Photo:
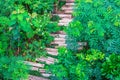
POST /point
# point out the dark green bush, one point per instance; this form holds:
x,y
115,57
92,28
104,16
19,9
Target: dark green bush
x,y
111,67
26,27
77,66
13,68
98,23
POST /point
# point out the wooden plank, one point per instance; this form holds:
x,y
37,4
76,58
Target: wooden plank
x,y
46,74
82,43
31,77
70,1
52,50
64,45
67,8
65,20
69,11
60,32
65,15
37,69
63,24
53,53
34,64
45,59
58,42
70,4
59,35
59,39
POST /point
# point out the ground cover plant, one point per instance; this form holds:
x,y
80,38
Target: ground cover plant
x,y
96,22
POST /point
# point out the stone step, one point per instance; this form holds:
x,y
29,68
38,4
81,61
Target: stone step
x,y
34,64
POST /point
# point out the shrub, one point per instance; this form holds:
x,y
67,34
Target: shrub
x,y
13,68
111,67
97,23
24,25
77,66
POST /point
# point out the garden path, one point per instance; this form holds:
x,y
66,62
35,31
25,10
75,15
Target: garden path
x,y
59,40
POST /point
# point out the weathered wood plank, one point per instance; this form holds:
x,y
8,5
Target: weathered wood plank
x,y
31,77
34,64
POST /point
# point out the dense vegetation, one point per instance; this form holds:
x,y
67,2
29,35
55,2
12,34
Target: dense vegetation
x,y
96,22
25,27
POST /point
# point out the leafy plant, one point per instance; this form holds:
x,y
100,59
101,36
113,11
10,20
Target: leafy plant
x,y
111,67
84,65
98,24
24,25
25,28
13,68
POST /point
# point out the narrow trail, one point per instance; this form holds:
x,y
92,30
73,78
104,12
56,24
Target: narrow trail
x,y
59,40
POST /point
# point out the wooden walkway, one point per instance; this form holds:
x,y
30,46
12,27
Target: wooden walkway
x,y
59,40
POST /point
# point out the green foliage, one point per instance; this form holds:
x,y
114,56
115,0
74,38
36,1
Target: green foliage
x,y
93,59
13,68
26,27
77,66
60,4
111,67
99,24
